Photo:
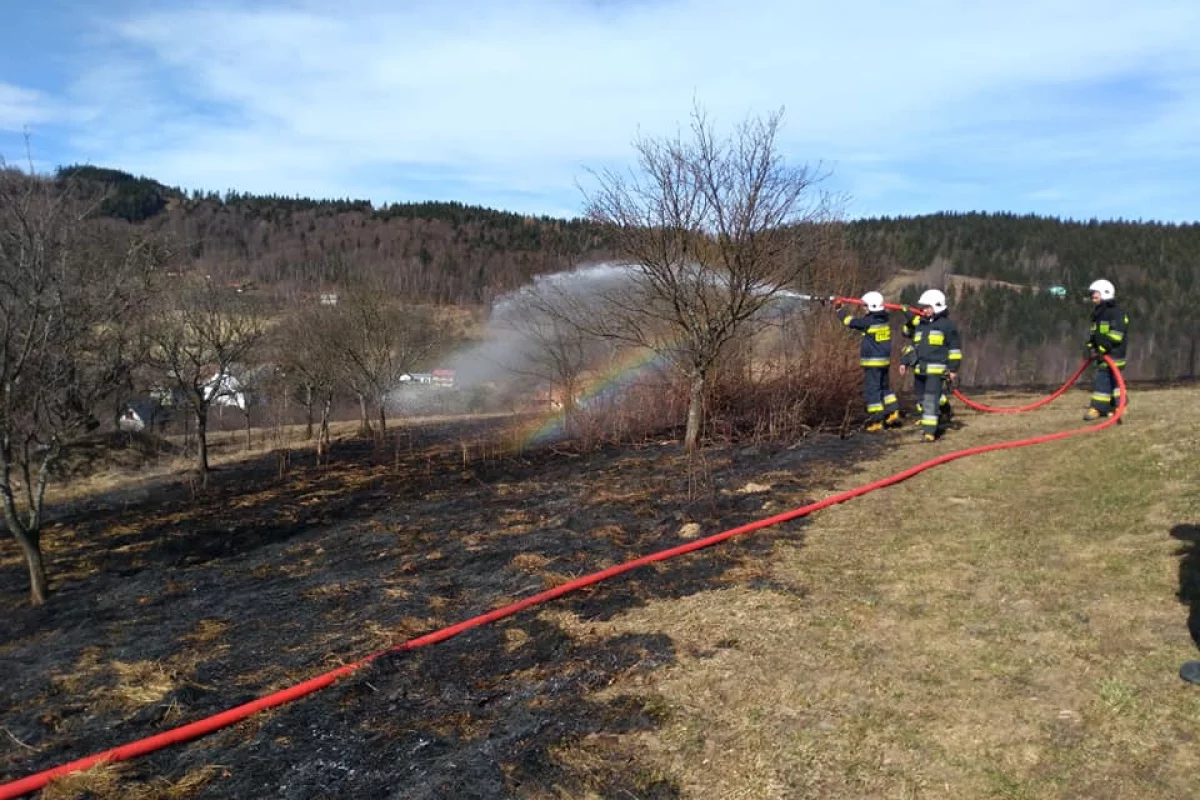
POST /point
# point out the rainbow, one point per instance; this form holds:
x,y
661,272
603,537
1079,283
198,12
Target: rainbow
x,y
614,380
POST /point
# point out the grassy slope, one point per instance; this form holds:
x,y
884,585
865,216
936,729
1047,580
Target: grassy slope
x,y
1004,626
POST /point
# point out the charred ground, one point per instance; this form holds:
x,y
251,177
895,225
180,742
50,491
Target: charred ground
x,y
168,607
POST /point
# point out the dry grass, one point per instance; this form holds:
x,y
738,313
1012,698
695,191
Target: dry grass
x,y
106,782
127,687
138,684
1005,626
907,277
226,447
207,632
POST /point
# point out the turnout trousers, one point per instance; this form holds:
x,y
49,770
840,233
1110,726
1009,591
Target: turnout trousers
x,y
877,392
928,391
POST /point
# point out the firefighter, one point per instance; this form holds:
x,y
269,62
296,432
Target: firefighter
x,y
908,359
875,358
934,356
1110,326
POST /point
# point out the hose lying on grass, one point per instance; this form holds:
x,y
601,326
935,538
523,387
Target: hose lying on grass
x,y
224,719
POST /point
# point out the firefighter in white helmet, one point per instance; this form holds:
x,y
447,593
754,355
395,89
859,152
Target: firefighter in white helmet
x,y
875,358
1110,326
934,356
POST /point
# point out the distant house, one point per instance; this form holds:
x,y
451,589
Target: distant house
x,y
417,377
329,298
223,389
443,378
144,412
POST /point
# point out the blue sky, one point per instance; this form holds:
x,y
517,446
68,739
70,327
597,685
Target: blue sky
x,y
1076,108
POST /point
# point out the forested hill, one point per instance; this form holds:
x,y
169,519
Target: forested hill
x,y
445,253
1156,268
452,253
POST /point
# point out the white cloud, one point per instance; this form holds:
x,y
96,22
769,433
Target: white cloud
x,y
517,96
20,108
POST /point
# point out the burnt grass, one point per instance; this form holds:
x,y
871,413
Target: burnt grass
x,y
265,580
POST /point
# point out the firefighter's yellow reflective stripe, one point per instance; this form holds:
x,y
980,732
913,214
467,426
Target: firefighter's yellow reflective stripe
x,y
1103,327
875,362
1116,336
937,338
931,369
956,355
1120,362
890,400
846,320
874,408
881,333
1103,398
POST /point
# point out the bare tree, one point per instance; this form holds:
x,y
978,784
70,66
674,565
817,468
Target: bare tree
x,y
306,344
714,230
249,382
377,342
69,288
198,337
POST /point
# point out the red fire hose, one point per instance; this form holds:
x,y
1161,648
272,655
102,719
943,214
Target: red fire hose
x,y
223,719
968,402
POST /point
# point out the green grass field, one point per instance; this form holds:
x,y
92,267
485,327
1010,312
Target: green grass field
x,y
1009,625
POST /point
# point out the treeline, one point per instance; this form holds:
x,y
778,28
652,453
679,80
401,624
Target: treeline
x,y
430,252
454,254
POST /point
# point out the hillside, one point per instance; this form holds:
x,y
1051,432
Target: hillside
x,y
1156,269
444,253
449,253
1021,642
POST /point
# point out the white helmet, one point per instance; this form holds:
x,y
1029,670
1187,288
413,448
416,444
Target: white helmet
x,y
873,301
1105,288
934,299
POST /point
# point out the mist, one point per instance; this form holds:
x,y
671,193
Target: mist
x,y
505,363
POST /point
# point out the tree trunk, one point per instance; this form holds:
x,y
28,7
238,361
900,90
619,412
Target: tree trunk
x,y
32,549
691,440
249,443
308,412
323,436
568,403
202,441
364,419
27,536
382,416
